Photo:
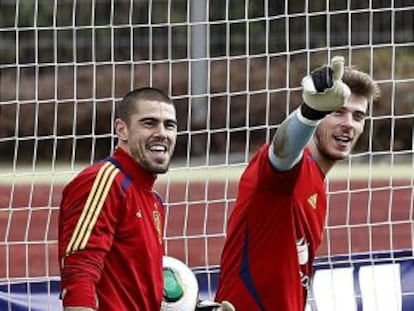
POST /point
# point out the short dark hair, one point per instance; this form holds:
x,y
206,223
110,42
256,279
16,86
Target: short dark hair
x,y
361,83
127,106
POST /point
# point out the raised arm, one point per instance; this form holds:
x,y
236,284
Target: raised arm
x,y
323,92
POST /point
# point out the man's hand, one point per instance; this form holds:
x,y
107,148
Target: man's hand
x,y
324,90
207,305
226,306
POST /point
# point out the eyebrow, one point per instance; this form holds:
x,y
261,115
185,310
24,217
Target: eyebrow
x,y
359,112
157,119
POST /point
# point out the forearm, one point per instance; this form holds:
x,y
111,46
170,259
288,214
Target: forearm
x,y
79,276
323,92
290,139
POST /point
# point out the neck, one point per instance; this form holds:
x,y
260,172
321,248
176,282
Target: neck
x,y
324,163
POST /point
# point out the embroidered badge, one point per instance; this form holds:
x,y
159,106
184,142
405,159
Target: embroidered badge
x,y
313,200
157,224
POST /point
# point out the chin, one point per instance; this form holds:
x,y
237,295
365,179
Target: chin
x,y
160,169
338,156
341,153
335,155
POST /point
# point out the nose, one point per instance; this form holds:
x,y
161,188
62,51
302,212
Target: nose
x,y
161,130
347,120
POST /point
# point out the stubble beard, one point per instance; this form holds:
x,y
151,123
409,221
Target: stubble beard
x,y
143,160
323,145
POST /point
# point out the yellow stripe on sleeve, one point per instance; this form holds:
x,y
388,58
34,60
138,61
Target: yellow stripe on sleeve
x,y
92,207
98,208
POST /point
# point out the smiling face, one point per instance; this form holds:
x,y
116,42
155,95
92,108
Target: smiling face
x,y
150,134
338,132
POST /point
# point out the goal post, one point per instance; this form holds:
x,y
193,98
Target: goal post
x,y
233,69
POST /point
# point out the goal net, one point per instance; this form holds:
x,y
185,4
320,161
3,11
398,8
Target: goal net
x,y
233,68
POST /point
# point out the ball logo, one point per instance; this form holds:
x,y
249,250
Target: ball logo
x,y
180,286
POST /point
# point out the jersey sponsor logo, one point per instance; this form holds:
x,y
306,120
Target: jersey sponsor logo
x,y
302,248
313,200
304,280
92,208
303,252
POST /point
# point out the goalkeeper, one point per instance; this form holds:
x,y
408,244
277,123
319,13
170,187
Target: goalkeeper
x,y
111,221
277,223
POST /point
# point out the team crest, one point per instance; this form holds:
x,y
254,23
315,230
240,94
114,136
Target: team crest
x,y
157,224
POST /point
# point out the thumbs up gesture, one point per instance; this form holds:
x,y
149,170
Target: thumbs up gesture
x,y
323,89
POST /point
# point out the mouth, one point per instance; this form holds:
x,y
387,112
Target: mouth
x,y
159,152
158,148
343,140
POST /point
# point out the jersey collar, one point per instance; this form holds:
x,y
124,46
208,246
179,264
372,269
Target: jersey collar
x,y
133,170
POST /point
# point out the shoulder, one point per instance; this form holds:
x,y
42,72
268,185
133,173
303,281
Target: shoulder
x,y
262,174
310,170
101,175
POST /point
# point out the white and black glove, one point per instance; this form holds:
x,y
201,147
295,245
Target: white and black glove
x,y
324,91
207,305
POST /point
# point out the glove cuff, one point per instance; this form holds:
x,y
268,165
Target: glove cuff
x,y
312,114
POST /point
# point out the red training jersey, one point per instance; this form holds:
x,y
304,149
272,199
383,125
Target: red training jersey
x,y
110,238
273,233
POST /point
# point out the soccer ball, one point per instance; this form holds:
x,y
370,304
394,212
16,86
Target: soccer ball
x,y
180,286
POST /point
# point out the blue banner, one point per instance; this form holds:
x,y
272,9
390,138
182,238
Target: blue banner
x,y
33,294
382,281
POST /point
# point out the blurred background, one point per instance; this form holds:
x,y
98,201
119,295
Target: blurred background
x,y
233,67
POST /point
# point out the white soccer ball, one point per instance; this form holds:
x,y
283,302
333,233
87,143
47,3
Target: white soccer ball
x,y
180,286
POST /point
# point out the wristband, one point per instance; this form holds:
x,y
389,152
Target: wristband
x,y
312,114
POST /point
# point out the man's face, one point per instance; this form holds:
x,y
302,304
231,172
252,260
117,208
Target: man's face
x,y
150,136
338,132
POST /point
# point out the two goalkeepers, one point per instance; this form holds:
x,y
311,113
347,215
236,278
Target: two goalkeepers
x,y
111,222
277,222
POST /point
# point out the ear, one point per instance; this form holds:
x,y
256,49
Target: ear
x,y
121,129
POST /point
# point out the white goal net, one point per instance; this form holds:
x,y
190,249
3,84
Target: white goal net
x,y
233,68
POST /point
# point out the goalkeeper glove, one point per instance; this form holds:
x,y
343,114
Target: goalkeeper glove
x,y
324,91
206,305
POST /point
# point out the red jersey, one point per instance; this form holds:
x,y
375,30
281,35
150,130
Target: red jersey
x,y
273,233
110,238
